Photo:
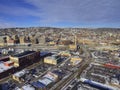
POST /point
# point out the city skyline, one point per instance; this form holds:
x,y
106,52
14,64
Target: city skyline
x,y
62,13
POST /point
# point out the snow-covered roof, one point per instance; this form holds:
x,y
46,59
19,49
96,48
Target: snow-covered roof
x,y
45,81
21,73
28,87
3,67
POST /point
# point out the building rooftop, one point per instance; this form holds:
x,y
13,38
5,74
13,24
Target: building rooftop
x,y
23,54
20,74
2,58
8,62
42,54
86,87
27,87
45,81
3,67
57,72
50,77
75,57
38,84
53,57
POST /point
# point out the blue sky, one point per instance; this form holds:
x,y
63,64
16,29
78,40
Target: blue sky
x,y
60,13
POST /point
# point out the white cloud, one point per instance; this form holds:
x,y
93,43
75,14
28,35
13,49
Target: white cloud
x,y
74,11
77,10
5,24
18,11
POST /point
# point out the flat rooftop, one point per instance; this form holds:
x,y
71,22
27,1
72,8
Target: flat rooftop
x,y
28,87
20,73
4,68
86,87
42,54
23,54
5,57
8,62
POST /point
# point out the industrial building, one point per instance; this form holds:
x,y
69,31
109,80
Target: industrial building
x,y
26,58
54,59
39,86
12,64
5,58
42,84
44,54
27,87
5,69
18,76
60,74
97,85
53,77
75,60
46,81
4,86
9,63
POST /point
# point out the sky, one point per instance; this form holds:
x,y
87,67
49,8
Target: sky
x,y
59,13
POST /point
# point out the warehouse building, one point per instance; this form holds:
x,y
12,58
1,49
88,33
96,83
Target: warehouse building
x,y
75,60
9,63
24,87
5,58
18,76
26,58
45,54
17,62
97,84
27,87
51,76
46,81
59,74
5,70
38,85
54,59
